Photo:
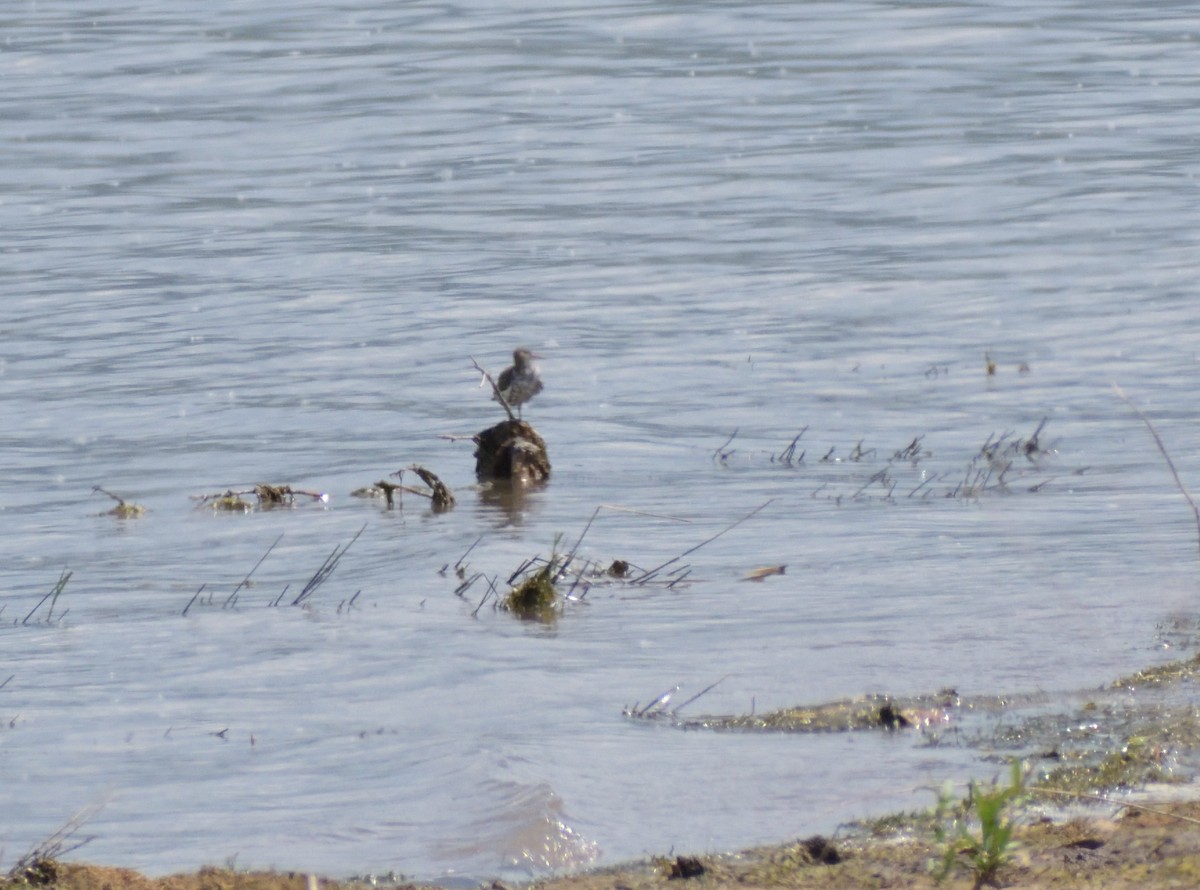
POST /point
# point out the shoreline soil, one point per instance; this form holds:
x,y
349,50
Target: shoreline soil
x,y
1144,847
1065,834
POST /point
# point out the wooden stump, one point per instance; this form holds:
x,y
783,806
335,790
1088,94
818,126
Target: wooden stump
x,y
511,449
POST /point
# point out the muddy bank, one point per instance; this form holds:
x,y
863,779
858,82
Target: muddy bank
x,y
1139,849
1141,729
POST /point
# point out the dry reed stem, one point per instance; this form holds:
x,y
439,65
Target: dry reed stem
x,y
55,845
642,579
1167,457
618,509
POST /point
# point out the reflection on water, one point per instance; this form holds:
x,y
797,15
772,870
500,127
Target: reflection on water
x,y
246,247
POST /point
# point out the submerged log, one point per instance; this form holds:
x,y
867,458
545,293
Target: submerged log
x,y
511,449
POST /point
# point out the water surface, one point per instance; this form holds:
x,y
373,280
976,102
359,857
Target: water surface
x,y
263,244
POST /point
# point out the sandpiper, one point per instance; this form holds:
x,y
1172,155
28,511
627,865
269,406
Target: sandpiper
x,y
521,382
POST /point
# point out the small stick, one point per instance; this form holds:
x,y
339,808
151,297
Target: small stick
x,y
790,452
326,569
659,702
679,579
458,564
880,476
646,576
703,691
526,564
927,481
721,448
1163,450
54,592
487,593
192,600
120,500
495,388
618,509
466,585
245,582
1132,806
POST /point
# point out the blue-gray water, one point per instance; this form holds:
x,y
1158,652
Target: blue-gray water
x,y
262,242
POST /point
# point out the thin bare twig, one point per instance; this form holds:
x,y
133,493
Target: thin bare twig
x,y
326,569
195,596
703,691
1102,799
245,582
52,596
1167,457
650,574
55,846
658,704
496,389
595,513
721,453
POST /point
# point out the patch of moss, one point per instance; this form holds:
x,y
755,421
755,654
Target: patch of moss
x,y
37,872
1161,675
535,597
1135,762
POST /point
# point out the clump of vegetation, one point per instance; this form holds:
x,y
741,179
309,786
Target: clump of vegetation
x,y
978,830
535,596
34,871
438,492
868,712
1138,760
267,496
123,509
40,867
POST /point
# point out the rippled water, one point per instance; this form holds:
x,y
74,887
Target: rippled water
x,y
262,243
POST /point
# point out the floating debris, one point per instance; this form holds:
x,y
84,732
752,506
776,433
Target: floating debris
x,y
535,598
864,713
123,509
266,496
441,496
764,572
438,493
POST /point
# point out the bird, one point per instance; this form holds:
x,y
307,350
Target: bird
x,y
520,382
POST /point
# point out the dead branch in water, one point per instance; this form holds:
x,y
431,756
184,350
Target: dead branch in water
x,y
496,389
642,579
441,496
1162,450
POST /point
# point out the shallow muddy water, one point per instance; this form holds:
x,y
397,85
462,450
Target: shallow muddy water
x,y
263,244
